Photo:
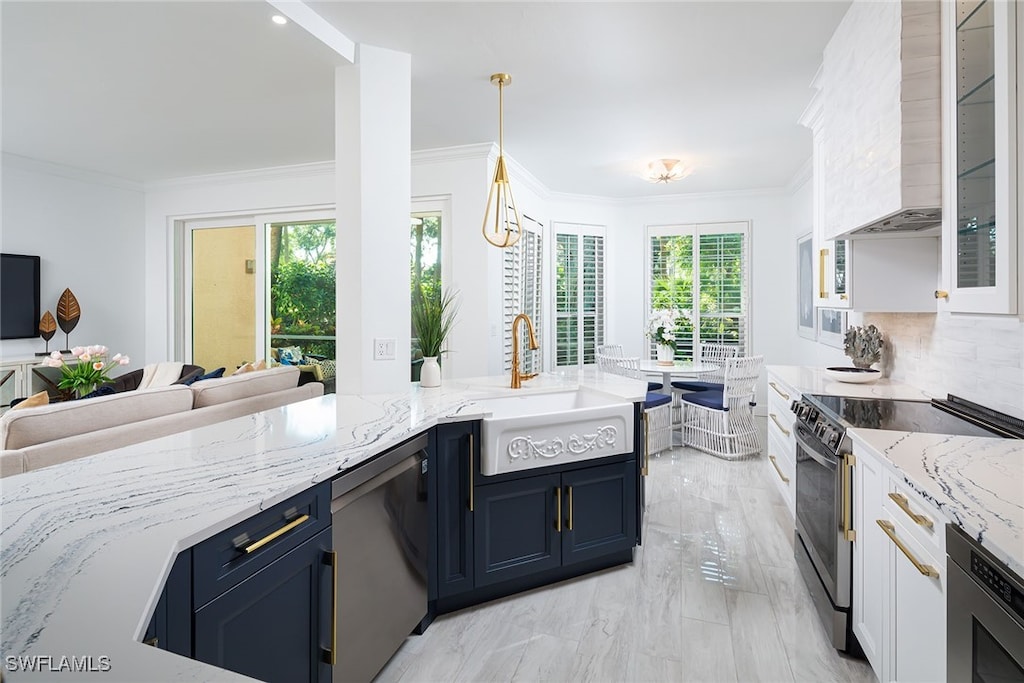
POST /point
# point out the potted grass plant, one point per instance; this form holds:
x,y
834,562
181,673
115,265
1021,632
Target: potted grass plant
x,y
432,319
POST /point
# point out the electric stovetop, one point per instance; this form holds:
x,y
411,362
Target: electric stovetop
x,y
901,416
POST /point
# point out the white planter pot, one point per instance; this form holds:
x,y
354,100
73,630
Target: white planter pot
x,y
666,356
430,373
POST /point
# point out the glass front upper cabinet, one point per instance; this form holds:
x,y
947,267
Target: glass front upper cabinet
x,y
981,233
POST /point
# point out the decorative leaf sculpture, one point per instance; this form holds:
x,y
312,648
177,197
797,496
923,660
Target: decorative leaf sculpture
x,y
68,311
47,326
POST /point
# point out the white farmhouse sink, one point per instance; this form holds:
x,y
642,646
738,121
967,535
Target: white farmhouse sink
x,y
538,430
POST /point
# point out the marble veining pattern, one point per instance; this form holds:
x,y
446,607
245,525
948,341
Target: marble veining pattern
x,y
812,380
977,482
85,546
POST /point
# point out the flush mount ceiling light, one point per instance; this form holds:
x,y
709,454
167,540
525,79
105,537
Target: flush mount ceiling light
x,y
665,171
279,20
501,225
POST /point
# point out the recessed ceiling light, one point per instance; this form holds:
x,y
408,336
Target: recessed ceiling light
x,y
278,19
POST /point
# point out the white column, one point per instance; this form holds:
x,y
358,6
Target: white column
x,y
372,155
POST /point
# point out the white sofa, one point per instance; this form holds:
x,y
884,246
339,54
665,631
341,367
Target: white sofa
x,y
31,438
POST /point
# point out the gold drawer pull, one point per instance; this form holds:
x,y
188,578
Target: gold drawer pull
x,y
901,500
778,424
822,255
782,476
280,532
570,507
890,531
778,391
471,473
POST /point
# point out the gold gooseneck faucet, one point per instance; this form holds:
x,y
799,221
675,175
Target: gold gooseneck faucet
x,y
517,377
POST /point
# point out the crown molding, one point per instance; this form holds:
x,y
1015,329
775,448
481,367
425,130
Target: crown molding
x,y
802,176
70,172
317,168
479,150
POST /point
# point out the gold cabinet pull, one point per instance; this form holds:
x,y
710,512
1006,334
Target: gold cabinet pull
x,y
901,500
941,294
848,463
558,509
822,254
280,532
782,476
470,472
778,424
153,642
569,490
778,391
890,531
331,657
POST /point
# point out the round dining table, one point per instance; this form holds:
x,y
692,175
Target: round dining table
x,y
681,369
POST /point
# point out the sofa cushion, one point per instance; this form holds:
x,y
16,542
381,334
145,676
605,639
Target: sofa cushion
x,y
211,392
11,463
21,428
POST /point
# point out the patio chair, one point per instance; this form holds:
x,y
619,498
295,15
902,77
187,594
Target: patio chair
x,y
657,413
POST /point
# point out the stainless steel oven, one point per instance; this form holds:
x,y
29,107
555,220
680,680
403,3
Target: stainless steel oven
x,y
984,614
823,547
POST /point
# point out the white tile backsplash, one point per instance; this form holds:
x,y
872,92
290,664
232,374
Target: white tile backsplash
x,y
980,358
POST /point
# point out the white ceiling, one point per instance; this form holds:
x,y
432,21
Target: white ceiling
x,y
155,90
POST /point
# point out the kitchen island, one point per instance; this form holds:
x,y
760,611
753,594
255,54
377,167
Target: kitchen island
x,y
86,546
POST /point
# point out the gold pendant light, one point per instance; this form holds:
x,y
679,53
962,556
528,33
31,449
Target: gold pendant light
x,y
501,219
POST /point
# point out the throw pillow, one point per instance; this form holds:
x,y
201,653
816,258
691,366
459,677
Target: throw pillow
x,y
289,355
105,390
40,399
213,374
328,367
260,364
247,367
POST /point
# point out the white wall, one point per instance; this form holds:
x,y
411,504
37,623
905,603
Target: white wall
x,y
87,229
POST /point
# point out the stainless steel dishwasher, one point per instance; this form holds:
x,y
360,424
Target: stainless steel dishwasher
x,y
380,526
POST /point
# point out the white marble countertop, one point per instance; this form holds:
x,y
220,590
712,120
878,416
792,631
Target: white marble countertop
x,y
85,547
976,481
812,380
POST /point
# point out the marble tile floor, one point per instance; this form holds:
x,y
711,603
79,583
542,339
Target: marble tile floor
x,y
712,595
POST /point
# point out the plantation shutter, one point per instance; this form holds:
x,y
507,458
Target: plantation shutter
x,y
522,291
579,294
703,272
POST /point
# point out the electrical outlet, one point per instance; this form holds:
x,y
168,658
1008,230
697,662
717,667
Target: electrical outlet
x,y
384,349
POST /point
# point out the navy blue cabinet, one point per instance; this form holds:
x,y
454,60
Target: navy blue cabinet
x,y
272,625
600,511
453,468
517,528
171,626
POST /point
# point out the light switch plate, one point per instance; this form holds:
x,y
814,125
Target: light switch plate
x,y
384,348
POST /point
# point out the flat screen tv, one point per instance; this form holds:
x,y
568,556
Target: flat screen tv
x,y
19,296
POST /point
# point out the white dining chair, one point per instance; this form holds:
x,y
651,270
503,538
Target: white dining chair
x,y
722,422
612,351
712,354
657,407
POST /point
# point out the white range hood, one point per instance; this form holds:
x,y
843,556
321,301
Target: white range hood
x,y
881,87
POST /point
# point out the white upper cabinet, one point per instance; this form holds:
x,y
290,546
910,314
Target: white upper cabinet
x,y
881,118
980,249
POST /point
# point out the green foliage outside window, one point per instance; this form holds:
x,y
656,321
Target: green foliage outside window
x,y
302,286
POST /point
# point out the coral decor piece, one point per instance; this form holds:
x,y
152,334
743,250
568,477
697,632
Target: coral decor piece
x,y
864,345
68,313
88,372
47,328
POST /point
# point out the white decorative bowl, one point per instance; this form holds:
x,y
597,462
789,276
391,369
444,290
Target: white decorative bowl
x,y
852,375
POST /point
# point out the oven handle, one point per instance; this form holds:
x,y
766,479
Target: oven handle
x,y
812,451
849,460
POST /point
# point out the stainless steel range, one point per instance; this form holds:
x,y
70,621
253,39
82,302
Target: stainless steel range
x,y
824,484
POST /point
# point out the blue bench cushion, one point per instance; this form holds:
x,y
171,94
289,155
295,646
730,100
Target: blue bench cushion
x,y
694,385
654,386
708,399
654,400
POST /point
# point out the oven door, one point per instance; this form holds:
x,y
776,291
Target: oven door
x,y
984,643
819,511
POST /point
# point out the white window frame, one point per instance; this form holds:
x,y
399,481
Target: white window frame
x,y
696,230
580,231
515,274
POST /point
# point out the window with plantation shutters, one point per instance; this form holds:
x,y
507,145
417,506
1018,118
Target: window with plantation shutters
x,y
522,287
701,271
579,302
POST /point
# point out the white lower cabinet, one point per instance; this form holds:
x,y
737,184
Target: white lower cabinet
x,y
780,449
899,575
